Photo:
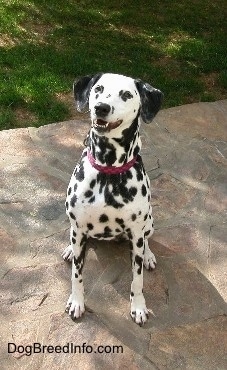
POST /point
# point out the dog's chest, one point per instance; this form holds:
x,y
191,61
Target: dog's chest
x,y
95,198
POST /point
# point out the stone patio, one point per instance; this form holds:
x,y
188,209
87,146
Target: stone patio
x,y
185,154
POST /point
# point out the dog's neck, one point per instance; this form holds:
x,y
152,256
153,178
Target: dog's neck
x,y
115,151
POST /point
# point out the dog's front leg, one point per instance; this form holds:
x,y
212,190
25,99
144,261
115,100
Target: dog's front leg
x,y
139,312
75,304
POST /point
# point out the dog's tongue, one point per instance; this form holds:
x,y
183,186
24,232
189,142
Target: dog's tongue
x,y
101,122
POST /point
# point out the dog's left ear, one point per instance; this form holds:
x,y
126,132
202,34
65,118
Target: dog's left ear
x,y
151,100
82,88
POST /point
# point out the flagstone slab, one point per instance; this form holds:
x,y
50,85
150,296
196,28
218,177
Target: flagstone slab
x,y
185,155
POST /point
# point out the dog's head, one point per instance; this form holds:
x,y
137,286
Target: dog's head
x,y
115,100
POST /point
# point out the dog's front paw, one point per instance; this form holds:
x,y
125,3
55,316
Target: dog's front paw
x,y
139,311
149,259
75,307
67,254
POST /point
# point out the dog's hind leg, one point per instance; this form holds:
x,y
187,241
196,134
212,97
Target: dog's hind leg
x,y
139,312
75,305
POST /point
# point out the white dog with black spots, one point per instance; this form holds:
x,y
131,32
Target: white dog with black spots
x,y
109,192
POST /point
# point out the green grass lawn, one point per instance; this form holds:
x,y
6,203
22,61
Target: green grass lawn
x,y
178,46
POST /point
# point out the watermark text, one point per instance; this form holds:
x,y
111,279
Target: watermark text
x,y
35,348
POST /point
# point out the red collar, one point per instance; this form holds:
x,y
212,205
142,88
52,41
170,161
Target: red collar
x,y
110,170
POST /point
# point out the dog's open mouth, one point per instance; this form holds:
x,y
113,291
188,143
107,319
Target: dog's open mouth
x,y
103,126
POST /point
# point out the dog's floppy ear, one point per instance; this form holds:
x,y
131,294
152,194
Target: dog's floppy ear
x,y
82,88
151,100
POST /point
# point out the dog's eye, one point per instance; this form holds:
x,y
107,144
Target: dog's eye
x,y
99,89
125,95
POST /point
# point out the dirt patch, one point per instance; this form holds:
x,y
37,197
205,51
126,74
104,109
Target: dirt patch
x,y
24,117
212,85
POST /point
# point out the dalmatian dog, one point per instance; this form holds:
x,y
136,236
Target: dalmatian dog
x,y
109,192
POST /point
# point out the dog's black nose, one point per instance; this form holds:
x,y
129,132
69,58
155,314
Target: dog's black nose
x,y
102,109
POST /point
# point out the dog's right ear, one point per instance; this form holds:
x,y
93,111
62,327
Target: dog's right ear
x,y
82,88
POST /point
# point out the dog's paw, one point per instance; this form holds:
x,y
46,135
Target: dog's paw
x,y
149,259
67,254
75,307
139,311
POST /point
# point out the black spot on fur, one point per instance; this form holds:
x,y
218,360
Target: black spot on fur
x,y
80,173
67,205
133,217
139,175
92,183
69,190
76,276
144,190
103,218
73,200
122,158
136,151
147,233
139,242
73,240
107,230
139,262
140,171
129,233
88,194
132,294
81,268
133,191
120,222
72,215
129,174
102,181
90,226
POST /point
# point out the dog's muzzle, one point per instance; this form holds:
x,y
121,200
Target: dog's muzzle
x,y
99,123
